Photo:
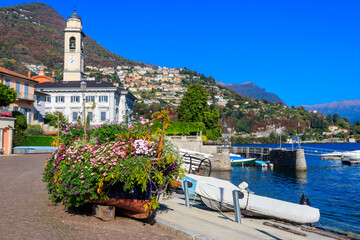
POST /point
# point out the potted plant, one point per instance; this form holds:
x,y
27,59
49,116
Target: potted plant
x,y
127,166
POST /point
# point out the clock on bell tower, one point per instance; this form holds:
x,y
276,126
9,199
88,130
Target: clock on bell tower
x,y
73,49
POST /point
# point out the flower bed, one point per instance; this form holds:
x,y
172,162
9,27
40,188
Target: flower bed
x,y
126,158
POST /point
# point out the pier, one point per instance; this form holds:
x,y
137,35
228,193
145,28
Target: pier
x,y
280,157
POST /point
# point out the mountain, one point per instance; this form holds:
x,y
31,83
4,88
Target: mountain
x,y
349,109
33,33
250,89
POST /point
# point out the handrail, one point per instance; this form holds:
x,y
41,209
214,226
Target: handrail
x,y
209,164
201,162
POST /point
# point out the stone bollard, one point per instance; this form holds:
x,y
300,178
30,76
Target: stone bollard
x,y
103,212
300,164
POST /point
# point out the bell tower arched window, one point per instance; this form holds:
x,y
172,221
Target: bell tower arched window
x,y
72,43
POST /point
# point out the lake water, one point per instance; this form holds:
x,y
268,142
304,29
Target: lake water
x,y
331,186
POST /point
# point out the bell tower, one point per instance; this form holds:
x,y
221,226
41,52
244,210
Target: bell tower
x,y
73,49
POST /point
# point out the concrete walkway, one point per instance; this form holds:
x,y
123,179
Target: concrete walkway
x,y
199,222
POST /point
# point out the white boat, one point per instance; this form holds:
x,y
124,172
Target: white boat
x,y
342,155
217,195
332,156
353,155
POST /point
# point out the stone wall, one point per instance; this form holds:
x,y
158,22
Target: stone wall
x,y
220,160
288,159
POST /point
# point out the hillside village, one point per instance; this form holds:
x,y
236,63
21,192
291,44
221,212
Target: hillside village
x,y
161,86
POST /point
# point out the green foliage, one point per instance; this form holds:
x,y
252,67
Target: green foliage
x,y
194,108
38,140
34,130
184,128
193,104
7,95
52,119
19,128
88,120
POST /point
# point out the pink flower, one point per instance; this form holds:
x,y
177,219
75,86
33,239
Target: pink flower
x,y
92,174
104,174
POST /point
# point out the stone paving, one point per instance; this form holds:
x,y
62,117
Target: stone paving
x,y
26,212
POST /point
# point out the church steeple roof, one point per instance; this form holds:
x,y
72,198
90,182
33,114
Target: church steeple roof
x,y
74,16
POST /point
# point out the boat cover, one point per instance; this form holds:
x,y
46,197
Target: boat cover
x,y
221,191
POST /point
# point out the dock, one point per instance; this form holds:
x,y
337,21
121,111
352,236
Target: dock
x,y
199,222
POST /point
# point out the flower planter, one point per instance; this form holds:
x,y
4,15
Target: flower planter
x,y
134,204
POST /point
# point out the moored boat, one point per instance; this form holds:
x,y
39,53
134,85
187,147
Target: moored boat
x,y
236,160
217,195
264,164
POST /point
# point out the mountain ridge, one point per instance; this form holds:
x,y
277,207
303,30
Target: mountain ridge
x,y
250,89
349,109
33,32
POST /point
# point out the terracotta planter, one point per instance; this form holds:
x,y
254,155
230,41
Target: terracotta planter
x,y
131,204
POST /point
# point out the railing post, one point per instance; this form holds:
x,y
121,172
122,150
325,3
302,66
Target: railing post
x,y
186,191
236,206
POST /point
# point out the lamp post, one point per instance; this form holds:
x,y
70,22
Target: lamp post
x,y
83,90
225,126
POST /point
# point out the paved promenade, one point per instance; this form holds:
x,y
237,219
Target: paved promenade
x,y
26,213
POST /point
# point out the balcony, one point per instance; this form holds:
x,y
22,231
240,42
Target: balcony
x,y
27,97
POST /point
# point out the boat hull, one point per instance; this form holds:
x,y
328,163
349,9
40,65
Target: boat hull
x,y
247,162
217,195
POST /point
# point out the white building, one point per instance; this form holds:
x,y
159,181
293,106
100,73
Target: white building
x,y
103,101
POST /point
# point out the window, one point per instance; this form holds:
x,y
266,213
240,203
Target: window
x,y
60,99
72,43
26,93
103,116
15,109
7,82
75,116
103,98
90,114
48,99
75,99
17,88
90,99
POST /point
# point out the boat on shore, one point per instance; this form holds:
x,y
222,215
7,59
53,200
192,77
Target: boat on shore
x,y
237,160
217,195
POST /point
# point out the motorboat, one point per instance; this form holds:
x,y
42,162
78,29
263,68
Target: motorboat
x,y
217,195
237,160
263,164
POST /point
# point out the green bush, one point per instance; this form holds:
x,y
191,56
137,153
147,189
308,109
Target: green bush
x,y
34,130
51,119
19,128
38,140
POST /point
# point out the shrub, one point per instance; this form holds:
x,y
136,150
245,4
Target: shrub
x,y
38,140
19,128
51,119
34,130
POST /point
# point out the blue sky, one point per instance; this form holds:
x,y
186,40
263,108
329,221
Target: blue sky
x,y
305,51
